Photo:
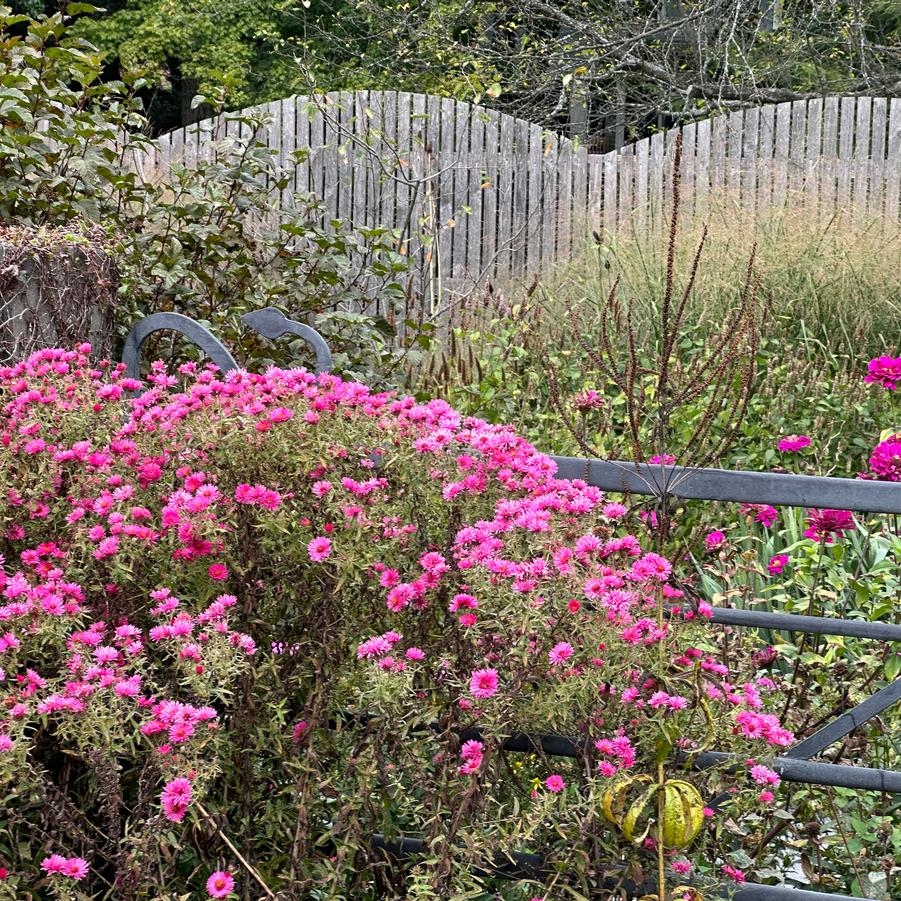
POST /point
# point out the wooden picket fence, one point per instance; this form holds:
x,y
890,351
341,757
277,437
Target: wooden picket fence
x,y
476,194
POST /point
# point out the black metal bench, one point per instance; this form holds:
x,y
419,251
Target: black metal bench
x,y
658,480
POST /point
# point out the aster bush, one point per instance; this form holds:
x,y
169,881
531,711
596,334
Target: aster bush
x,y
251,621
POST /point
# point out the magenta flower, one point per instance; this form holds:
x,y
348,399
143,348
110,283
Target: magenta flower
x,y
554,783
483,683
665,459
319,549
176,798
763,775
777,564
885,460
884,371
793,443
560,653
218,571
74,867
715,540
823,524
220,884
762,513
587,400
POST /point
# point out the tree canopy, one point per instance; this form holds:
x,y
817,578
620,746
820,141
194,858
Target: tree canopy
x,y
593,65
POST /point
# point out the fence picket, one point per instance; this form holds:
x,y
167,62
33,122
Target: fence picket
x,y
475,201
520,222
829,169
702,167
783,139
766,137
797,147
813,154
534,257
489,194
862,153
893,162
749,158
845,153
875,206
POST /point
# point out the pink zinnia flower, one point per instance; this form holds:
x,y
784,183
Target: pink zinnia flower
x,y
715,540
777,564
319,549
665,459
554,783
885,460
823,524
884,371
220,884
483,683
793,443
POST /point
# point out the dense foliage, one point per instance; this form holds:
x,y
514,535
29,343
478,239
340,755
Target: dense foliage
x,y
282,652
71,147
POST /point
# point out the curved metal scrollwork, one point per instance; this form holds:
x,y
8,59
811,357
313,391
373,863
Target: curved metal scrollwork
x,y
270,323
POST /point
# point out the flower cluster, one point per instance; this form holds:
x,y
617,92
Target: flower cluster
x,y
344,548
884,371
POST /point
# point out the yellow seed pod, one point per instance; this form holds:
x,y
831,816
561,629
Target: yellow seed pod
x,y
614,798
634,811
683,814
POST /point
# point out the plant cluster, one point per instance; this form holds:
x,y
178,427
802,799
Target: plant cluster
x,y
256,620
203,241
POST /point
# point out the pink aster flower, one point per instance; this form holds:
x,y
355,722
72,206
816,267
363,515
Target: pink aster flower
x,y
793,443
554,783
733,873
76,868
176,798
220,884
560,653
763,775
319,549
55,863
218,571
884,371
483,683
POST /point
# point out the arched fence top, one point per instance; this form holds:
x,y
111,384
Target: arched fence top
x,y
478,195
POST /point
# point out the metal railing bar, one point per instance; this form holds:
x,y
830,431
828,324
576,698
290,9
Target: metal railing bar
x,y
847,722
739,486
791,768
792,622
520,865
